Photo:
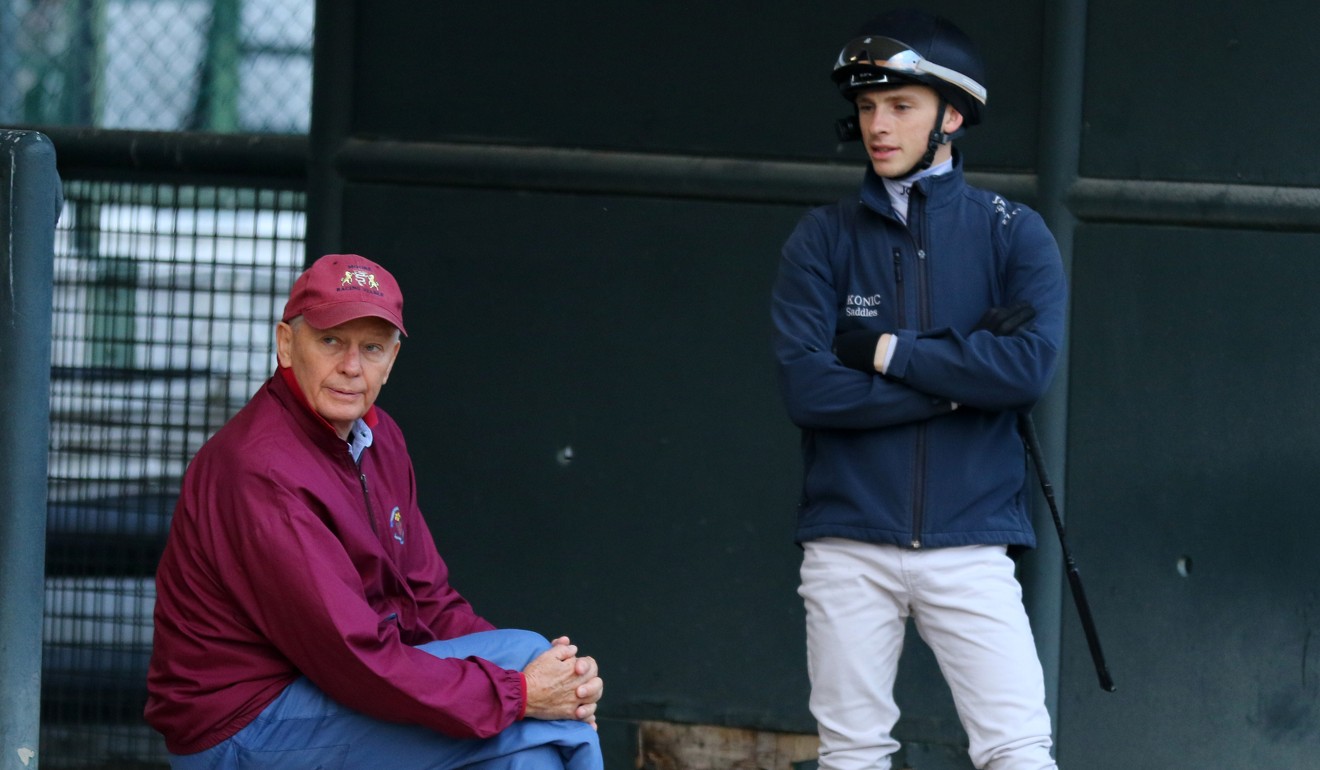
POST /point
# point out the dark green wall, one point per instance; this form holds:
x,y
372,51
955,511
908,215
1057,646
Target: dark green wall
x,y
747,79
1192,430
1204,92
630,326
1193,453
633,331
585,206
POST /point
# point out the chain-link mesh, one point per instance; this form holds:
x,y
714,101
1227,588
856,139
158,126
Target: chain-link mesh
x,y
163,65
164,305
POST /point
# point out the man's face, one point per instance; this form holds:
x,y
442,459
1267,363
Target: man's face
x,y
340,370
896,125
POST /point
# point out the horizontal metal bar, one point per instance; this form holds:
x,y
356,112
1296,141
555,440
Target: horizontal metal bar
x,y
1196,204
102,153
182,193
594,171
275,160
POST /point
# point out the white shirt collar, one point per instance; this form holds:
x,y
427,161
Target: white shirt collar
x,y
359,438
899,189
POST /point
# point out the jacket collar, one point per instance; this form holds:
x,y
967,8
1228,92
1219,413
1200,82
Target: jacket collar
x,y
936,189
285,386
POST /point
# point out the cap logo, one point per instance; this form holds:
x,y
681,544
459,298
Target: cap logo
x,y
359,277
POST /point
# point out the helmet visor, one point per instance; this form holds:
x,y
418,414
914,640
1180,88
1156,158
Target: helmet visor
x,y
887,54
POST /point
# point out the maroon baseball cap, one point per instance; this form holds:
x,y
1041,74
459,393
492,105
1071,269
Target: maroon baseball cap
x,y
338,288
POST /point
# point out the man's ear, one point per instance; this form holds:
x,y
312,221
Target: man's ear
x,y
394,356
953,119
284,344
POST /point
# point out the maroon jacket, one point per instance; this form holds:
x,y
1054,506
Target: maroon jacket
x,y
286,558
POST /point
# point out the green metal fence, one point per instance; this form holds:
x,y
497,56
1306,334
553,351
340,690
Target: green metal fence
x,y
163,65
173,254
164,300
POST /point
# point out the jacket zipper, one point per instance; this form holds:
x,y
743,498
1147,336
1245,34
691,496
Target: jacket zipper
x,y
366,500
898,284
917,213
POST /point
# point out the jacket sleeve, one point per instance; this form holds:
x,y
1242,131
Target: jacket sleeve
x,y
295,582
818,390
977,368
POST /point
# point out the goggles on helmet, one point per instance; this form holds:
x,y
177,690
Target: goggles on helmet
x,y
865,53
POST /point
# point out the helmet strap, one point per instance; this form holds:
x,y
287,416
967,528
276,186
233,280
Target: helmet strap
x,y
937,138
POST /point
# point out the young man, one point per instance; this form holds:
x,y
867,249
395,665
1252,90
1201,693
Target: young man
x,y
303,616
912,324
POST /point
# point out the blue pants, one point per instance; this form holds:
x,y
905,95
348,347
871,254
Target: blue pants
x,y
303,728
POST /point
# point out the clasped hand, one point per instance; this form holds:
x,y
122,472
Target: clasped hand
x,y
561,685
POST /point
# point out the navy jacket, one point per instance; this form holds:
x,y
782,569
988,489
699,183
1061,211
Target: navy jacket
x,y
888,459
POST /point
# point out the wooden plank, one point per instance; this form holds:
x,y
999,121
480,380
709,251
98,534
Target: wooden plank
x,y
670,746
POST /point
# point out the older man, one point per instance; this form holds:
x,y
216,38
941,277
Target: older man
x,y
304,617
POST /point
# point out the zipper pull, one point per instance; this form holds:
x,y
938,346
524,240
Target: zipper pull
x,y
366,501
898,265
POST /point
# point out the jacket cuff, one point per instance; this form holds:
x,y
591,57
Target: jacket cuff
x,y
522,682
901,353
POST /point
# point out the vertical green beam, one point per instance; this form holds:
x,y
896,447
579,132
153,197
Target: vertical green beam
x,y
11,101
218,108
333,46
111,298
84,68
29,208
111,305
1062,82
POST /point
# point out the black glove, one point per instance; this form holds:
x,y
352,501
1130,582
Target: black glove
x,y
1002,321
856,349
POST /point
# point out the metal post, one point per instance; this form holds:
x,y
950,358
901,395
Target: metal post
x,y
217,100
80,99
1060,152
332,123
30,201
